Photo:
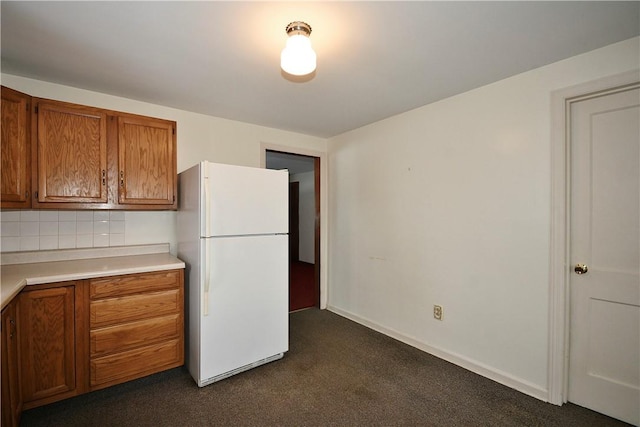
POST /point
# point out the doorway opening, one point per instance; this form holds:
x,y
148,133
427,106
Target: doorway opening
x,y
304,226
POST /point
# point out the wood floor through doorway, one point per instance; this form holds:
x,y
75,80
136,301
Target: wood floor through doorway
x,y
302,292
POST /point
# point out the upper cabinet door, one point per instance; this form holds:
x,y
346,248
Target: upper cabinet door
x,y
16,149
147,162
72,153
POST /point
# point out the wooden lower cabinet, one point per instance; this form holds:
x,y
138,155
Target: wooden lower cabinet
x,y
11,394
136,328
51,332
79,336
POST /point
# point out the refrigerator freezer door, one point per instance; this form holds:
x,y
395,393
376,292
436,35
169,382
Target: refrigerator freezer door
x,y
247,317
241,200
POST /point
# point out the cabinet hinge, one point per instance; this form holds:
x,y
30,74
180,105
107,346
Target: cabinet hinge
x,y
174,130
174,198
35,194
36,109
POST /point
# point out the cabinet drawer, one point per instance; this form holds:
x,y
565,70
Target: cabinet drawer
x,y
135,307
136,363
135,334
133,284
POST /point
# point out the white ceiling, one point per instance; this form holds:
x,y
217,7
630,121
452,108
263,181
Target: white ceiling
x,y
375,59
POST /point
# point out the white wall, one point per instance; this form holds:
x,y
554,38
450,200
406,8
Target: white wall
x,y
307,215
200,137
449,204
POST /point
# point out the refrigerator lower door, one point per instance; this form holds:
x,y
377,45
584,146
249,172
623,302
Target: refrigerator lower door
x,y
245,321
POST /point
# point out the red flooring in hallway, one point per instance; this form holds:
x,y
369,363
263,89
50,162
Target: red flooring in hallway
x,y
302,292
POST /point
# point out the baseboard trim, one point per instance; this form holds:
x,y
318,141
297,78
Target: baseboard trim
x,y
464,362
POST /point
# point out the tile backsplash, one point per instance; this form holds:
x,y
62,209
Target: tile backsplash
x,y
29,230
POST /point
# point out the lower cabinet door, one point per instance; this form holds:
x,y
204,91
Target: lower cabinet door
x,y
11,394
47,342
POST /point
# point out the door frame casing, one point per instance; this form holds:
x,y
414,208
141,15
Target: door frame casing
x,y
559,265
323,199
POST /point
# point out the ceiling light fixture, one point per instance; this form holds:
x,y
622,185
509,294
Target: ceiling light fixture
x,y
298,57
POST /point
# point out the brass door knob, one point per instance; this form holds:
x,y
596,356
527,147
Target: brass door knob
x,y
581,268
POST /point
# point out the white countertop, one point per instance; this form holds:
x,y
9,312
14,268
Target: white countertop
x,y
51,266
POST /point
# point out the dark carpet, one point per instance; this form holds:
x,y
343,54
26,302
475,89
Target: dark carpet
x,y
337,373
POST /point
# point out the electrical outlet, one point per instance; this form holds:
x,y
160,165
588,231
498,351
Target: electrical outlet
x,y
437,312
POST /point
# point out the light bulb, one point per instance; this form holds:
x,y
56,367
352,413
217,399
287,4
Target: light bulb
x,y
298,57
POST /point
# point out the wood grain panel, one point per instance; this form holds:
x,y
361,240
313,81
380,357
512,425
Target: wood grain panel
x,y
72,153
82,335
133,284
11,393
135,307
134,334
136,363
16,151
146,151
6,395
47,342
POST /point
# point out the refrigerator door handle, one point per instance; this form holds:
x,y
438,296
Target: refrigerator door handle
x,y
206,208
207,280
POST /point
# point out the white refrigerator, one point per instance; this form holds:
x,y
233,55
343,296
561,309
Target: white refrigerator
x,y
233,236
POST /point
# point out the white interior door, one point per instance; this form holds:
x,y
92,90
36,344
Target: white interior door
x,y
604,354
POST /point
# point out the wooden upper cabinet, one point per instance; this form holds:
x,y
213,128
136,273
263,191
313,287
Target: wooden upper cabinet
x,y
59,155
72,153
146,162
16,150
